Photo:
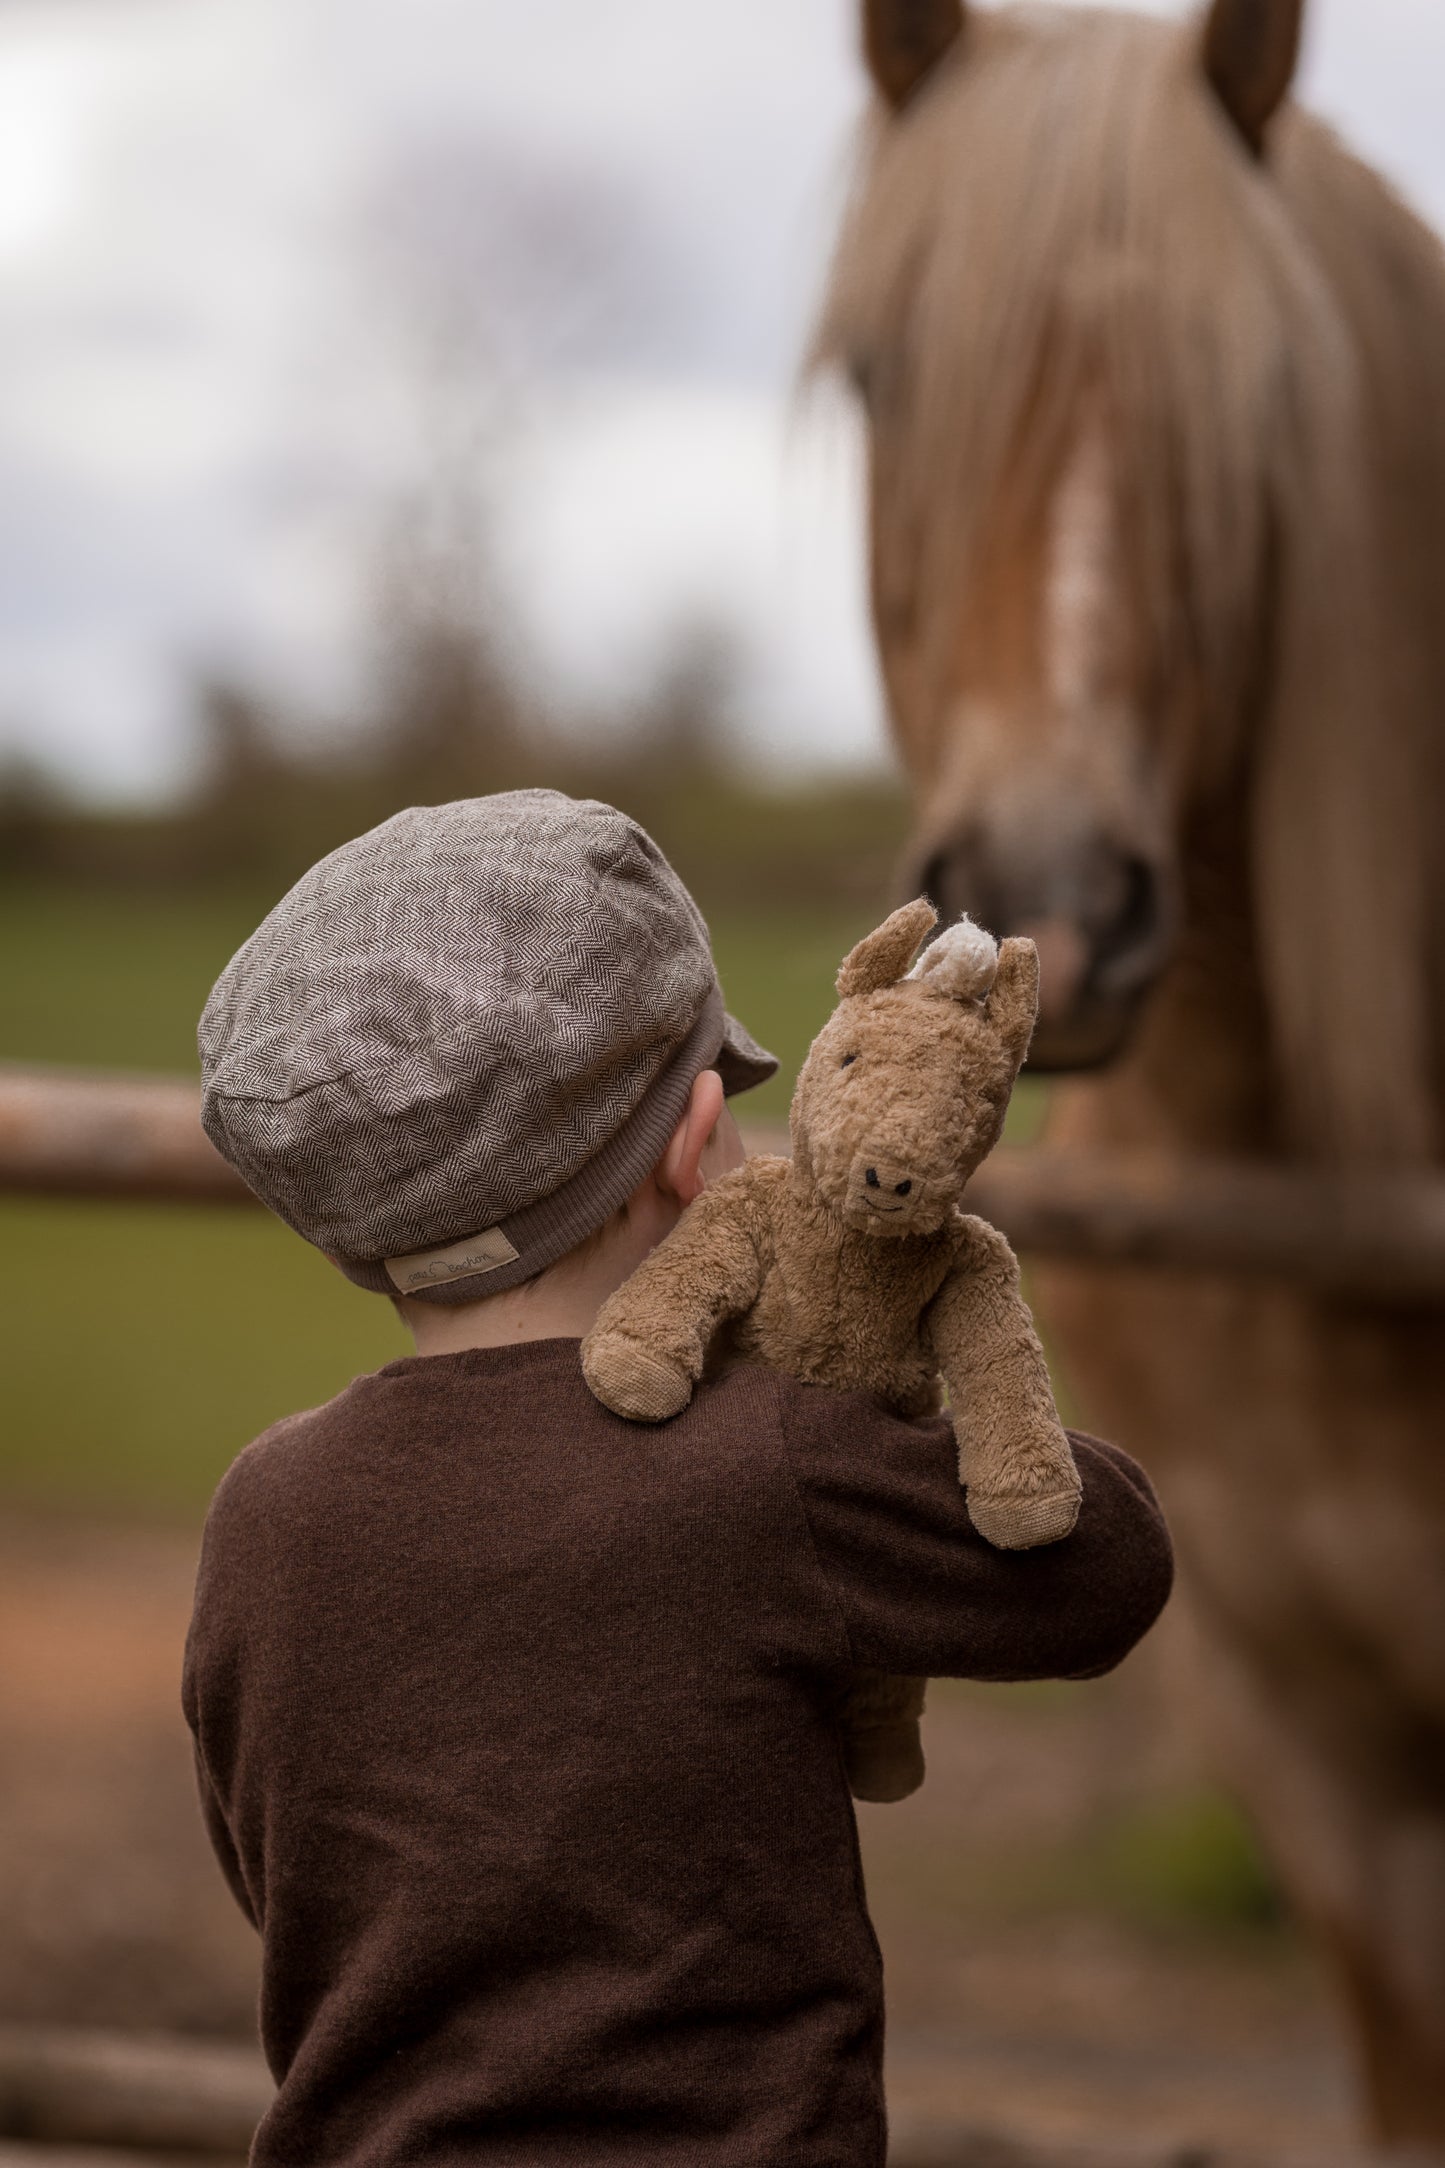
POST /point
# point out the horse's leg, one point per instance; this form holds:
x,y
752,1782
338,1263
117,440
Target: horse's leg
x,y
1297,1451
1354,1823
1402,2056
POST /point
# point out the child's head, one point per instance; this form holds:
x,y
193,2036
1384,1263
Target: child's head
x,y
465,1040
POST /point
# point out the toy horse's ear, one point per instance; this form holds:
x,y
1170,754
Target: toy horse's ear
x,y
903,41
882,957
1013,1002
1251,49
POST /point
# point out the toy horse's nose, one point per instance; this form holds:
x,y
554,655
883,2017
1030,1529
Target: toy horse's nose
x,y
884,1193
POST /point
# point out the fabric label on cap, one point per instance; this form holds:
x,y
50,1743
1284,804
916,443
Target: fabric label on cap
x,y
434,1268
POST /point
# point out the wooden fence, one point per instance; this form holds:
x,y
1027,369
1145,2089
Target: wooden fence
x,y
68,2097
76,1134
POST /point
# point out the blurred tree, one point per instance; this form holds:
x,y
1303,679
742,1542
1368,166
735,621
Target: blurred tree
x,y
28,819
453,723
244,808
682,726
475,275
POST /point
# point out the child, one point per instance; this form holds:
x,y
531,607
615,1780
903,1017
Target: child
x,y
512,1719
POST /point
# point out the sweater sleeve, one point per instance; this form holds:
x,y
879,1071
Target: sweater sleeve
x,y
222,1842
918,1589
210,1657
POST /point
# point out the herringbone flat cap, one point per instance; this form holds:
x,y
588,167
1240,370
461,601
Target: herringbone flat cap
x,y
462,1040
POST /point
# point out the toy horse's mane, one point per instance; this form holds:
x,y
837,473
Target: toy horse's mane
x,y
962,963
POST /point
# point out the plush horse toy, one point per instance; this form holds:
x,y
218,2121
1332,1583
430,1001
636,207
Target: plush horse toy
x,y
851,1265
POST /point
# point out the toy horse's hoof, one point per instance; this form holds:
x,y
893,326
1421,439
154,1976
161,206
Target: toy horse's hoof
x,y
632,1382
1014,1523
883,1763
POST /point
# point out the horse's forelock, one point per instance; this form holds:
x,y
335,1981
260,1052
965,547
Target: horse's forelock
x,y
1064,212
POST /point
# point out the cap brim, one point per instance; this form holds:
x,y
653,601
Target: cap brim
x,y
741,1062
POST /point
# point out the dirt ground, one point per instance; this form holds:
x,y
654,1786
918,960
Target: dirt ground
x,y
1057,2017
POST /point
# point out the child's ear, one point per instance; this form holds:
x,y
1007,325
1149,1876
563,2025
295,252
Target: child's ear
x,y
680,1169
1013,1001
882,957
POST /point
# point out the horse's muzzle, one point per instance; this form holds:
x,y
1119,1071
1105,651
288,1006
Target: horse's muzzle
x,y
1103,923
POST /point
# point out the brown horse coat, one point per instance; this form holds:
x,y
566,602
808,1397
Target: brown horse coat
x,y
1152,370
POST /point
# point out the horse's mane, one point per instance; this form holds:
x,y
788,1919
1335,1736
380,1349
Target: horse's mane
x,y
1064,211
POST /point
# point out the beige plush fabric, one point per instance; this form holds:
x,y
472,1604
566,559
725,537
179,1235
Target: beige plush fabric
x,y
852,1266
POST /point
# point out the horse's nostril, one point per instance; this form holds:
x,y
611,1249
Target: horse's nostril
x,y
871,1178
1126,950
901,1189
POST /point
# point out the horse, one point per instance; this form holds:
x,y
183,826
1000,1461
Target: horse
x,y
1153,378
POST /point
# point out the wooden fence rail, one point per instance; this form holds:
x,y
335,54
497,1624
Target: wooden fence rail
x,y
178,2102
76,1134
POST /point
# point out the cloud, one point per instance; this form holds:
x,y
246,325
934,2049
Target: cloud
x,y
265,263
636,509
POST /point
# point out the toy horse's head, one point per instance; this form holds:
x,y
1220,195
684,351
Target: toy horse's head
x,y
905,1088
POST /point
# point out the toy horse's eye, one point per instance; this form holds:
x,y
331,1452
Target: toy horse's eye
x,y
846,1059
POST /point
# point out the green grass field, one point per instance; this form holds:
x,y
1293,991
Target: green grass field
x,y
144,1346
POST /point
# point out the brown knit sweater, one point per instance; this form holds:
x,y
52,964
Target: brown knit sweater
x,y
512,1729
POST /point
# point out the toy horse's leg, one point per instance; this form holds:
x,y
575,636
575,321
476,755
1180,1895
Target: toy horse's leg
x,y
1023,1487
646,1351
882,1746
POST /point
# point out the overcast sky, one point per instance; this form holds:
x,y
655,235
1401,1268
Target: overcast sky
x,y
266,264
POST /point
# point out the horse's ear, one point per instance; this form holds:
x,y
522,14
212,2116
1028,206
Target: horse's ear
x,y
882,957
903,41
1251,49
1013,1001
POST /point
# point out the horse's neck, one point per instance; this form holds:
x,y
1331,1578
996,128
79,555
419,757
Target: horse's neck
x,y
1196,1077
